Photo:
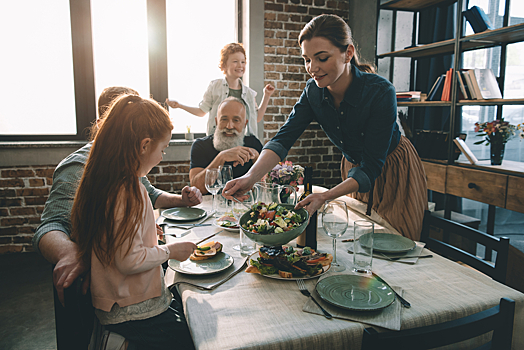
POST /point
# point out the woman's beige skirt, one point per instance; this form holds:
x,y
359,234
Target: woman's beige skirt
x,y
400,192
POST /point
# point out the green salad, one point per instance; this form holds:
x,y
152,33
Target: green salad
x,y
272,218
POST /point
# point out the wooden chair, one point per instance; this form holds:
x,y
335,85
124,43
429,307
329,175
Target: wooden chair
x,y
74,322
498,319
444,248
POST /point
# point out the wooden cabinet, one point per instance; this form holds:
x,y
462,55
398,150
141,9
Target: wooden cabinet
x,y
477,185
515,194
435,176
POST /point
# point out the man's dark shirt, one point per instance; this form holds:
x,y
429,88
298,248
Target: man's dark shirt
x,y
203,152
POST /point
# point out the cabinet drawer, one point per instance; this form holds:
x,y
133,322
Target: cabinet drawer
x,y
515,196
436,176
477,185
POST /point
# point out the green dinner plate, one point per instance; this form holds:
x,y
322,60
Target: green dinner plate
x,y
218,263
184,214
355,292
387,243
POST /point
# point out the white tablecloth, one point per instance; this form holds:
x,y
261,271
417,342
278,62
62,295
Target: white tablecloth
x,y
255,312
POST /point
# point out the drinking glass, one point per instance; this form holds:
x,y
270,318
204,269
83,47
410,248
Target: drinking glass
x,y
335,224
213,183
246,245
363,257
224,204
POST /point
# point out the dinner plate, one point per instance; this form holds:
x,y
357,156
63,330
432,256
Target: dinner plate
x,y
276,276
184,214
218,263
355,292
232,229
387,243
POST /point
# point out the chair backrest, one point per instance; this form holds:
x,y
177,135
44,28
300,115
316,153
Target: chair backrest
x,y
498,319
500,245
74,322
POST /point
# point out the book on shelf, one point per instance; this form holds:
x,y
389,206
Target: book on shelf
x,y
446,92
463,93
477,19
436,91
408,96
474,85
469,85
465,150
487,83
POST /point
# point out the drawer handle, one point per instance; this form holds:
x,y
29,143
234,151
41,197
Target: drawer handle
x,y
472,185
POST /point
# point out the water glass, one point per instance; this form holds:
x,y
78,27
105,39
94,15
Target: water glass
x,y
246,246
363,257
224,205
335,223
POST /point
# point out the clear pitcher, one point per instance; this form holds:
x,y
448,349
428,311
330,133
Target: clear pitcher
x,y
273,193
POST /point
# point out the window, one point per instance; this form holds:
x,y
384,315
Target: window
x,y
63,53
193,57
120,44
37,86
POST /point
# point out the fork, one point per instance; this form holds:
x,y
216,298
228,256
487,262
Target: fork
x,y
303,290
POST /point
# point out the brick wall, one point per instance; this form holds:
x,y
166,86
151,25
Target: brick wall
x,y
24,191
284,68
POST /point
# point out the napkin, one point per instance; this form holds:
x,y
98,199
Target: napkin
x,y
388,317
410,257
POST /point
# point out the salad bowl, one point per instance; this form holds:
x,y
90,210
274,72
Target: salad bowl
x,y
275,239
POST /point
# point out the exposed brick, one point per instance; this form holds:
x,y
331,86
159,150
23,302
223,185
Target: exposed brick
x,y
6,240
36,182
8,231
4,212
26,229
274,76
39,210
7,193
293,60
9,221
32,192
292,76
12,183
282,34
44,172
11,248
273,25
268,16
49,181
320,2
273,59
294,8
35,200
22,211
22,239
293,26
163,187
282,50
18,173
155,170
270,50
307,2
11,202
273,7
169,178
282,17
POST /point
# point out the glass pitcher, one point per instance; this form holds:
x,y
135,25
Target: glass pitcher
x,y
273,193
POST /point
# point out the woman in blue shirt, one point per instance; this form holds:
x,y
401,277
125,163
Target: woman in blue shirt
x,y
357,110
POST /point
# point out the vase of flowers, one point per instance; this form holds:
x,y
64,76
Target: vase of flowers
x,y
496,134
285,173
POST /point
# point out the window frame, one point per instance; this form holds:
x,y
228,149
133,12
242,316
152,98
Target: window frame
x,y
83,67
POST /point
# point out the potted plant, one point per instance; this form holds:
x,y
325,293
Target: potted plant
x,y
496,134
189,134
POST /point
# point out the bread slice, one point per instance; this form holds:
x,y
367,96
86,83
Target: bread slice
x,y
285,274
215,247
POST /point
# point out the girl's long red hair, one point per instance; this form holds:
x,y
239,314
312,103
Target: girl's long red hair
x,y
111,180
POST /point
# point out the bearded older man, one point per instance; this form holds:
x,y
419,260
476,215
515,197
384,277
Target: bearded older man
x,y
227,146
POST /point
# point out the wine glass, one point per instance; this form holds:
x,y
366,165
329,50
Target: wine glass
x,y
213,183
239,209
335,224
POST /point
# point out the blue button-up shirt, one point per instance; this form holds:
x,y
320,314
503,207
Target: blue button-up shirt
x,y
364,127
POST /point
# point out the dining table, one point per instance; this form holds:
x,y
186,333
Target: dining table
x,y
233,309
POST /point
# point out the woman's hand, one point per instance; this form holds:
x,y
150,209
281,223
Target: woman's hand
x,y
181,251
312,203
172,103
238,187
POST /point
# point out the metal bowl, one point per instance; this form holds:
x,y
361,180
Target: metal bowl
x,y
276,239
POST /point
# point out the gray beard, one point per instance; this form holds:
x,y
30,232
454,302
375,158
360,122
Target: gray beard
x,y
222,142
